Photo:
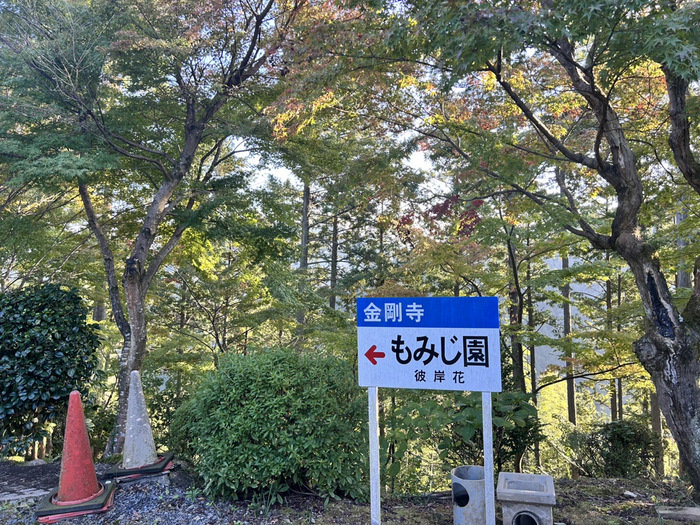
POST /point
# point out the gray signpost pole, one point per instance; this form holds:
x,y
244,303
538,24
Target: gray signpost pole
x,y
374,484
490,498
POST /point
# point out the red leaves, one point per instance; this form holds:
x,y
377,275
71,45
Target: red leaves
x,y
452,208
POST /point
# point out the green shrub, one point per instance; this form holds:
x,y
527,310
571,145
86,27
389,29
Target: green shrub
x,y
46,350
620,449
430,432
275,420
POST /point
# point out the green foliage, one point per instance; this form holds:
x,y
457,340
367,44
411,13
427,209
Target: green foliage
x,y
445,429
46,351
169,376
272,420
620,449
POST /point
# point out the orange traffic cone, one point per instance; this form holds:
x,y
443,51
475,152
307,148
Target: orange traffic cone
x,y
78,489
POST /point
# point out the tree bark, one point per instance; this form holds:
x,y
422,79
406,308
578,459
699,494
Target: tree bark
x,y
669,352
570,372
612,389
532,349
334,264
515,311
657,430
618,389
516,345
304,255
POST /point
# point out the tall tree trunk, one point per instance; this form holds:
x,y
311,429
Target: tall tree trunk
x,y
612,389
532,349
515,312
669,352
334,264
516,345
304,255
569,353
135,282
657,430
618,389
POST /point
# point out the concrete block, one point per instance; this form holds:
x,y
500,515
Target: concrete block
x,y
691,514
468,496
526,499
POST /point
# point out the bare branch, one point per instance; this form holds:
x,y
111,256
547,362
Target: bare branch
x,y
586,375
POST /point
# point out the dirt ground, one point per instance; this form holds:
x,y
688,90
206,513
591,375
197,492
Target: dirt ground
x,y
579,502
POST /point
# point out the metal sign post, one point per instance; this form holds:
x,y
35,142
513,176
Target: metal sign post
x,y
489,496
374,483
439,343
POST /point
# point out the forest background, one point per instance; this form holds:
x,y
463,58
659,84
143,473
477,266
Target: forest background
x,y
219,178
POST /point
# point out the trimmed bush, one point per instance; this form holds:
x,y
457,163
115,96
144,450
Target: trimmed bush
x,y
620,449
46,350
275,420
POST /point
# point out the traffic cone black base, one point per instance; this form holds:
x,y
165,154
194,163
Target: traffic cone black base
x,y
164,464
50,510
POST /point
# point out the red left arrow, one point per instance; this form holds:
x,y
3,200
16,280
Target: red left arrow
x,y
372,355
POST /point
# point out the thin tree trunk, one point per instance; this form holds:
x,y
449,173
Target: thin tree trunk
x,y
657,430
620,396
612,389
515,311
532,350
516,345
334,264
304,254
570,381
618,389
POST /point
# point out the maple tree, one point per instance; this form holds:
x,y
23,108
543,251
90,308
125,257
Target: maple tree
x,y
564,102
163,86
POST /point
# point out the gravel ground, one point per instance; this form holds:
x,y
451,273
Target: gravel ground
x,y
145,502
149,503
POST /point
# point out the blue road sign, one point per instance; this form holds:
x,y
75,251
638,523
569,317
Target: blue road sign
x,y
440,343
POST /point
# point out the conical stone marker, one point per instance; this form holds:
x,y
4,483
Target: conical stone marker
x,y
139,447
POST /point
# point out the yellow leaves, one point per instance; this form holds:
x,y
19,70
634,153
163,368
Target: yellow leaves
x,y
489,83
566,105
407,81
518,81
299,115
511,218
385,221
326,100
436,119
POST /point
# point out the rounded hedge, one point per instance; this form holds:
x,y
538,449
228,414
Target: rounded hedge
x,y
47,349
274,420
